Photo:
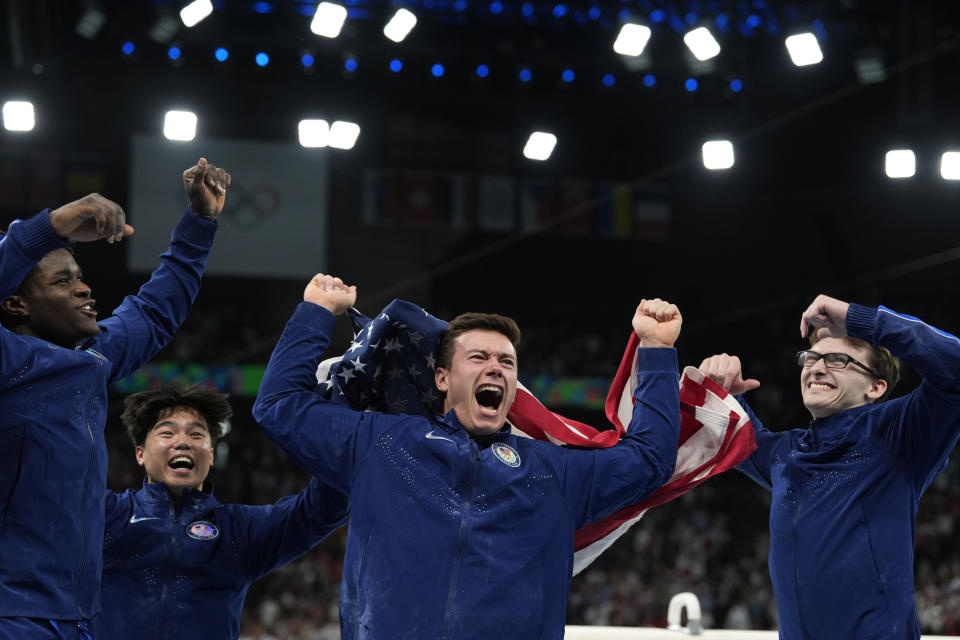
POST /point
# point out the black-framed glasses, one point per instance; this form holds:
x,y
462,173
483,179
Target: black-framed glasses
x,y
831,361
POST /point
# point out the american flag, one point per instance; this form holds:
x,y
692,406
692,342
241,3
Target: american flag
x,y
389,367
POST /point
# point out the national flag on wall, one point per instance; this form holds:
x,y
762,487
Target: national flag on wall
x,y
390,365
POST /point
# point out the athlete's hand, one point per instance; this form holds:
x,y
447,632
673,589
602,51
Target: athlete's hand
x,y
90,218
330,293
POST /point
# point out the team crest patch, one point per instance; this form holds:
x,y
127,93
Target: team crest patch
x,y
201,530
506,454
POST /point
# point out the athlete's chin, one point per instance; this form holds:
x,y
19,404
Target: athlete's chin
x,y
485,428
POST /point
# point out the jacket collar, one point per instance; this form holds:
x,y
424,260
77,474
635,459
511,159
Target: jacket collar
x,y
156,493
451,424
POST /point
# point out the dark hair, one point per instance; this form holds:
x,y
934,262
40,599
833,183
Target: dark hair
x,y
142,410
470,321
884,363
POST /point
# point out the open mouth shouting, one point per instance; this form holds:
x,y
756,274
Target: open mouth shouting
x,y
489,398
181,463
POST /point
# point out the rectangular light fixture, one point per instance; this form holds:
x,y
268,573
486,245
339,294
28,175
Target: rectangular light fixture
x,y
632,39
343,135
180,125
950,165
717,154
900,163
702,44
195,12
328,20
18,116
804,49
400,25
540,145
314,133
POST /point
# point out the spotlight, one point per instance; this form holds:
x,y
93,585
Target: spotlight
x,y
950,165
90,23
702,44
350,65
691,85
437,70
195,12
343,135
174,53
483,71
525,75
262,59
400,25
900,163
128,48
568,75
869,67
736,85
180,125
163,30
496,7
314,133
328,20
540,145
307,60
649,80
804,49
632,39
18,116
609,80
221,54
717,154
396,65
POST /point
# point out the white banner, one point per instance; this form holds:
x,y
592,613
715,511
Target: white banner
x,y
274,223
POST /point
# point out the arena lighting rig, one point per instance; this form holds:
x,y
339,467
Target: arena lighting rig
x,y
709,50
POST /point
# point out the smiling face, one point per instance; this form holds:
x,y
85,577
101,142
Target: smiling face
x,y
829,391
55,304
178,450
481,380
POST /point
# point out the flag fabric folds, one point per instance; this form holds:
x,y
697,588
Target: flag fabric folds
x,y
389,367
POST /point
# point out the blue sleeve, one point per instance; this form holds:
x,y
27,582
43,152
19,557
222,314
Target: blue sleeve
x,y
144,323
757,466
25,244
326,439
924,425
278,533
600,482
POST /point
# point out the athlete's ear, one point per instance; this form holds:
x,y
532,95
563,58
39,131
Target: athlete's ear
x,y
16,306
440,379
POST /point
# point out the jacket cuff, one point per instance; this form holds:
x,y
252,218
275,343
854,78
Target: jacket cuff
x,y
36,236
657,359
861,321
313,315
195,229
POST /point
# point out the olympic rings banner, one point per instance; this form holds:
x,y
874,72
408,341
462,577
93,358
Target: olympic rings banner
x,y
274,224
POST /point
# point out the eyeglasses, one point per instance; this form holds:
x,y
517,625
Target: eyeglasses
x,y
831,361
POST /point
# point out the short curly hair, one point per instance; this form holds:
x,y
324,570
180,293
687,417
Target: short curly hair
x,y
142,410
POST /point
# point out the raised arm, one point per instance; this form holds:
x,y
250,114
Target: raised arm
x,y
600,482
326,439
925,423
144,323
273,535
